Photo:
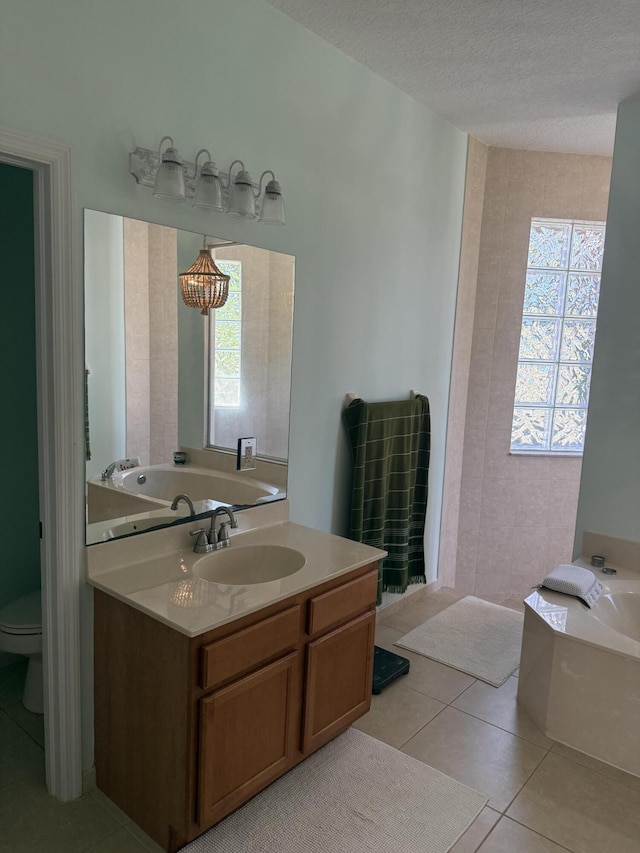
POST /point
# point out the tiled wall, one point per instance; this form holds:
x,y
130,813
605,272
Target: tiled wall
x,y
151,339
267,305
516,514
461,361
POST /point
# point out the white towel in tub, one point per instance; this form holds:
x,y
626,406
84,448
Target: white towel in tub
x,y
573,580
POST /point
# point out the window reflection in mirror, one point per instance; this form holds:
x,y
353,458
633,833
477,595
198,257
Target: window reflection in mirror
x,y
157,370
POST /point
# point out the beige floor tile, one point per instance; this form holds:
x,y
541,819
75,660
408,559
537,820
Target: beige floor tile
x,y
32,724
599,766
515,602
579,809
20,756
397,714
121,841
477,754
31,821
109,806
427,676
414,613
386,636
148,843
12,682
498,705
477,832
510,837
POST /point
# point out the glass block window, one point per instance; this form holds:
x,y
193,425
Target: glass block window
x,y
557,335
226,341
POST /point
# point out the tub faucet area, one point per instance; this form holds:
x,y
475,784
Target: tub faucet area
x,y
107,474
187,500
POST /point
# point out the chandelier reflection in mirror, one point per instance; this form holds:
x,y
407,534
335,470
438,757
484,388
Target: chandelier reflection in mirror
x,y
203,285
174,179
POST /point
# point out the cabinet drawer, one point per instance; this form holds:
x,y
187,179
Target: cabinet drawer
x,y
336,606
247,649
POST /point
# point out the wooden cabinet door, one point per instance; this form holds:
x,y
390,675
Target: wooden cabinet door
x,y
248,733
339,678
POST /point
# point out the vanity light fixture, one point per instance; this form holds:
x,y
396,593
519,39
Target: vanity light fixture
x,y
207,193
173,179
242,201
203,285
272,209
169,179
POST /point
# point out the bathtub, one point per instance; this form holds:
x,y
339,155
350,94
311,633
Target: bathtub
x,y
580,669
155,486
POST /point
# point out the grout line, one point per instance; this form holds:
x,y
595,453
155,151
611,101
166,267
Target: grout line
x,y
540,834
595,769
547,749
526,782
101,841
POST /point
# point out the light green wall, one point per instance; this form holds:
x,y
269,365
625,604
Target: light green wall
x,y
610,487
373,185
19,520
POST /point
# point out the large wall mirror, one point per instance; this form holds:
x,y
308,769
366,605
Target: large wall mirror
x,y
162,378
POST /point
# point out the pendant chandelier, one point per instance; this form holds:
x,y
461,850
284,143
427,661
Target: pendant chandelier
x,y
203,285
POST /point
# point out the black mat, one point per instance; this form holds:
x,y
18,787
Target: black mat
x,y
386,668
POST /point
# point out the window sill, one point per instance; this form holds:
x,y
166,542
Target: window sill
x,y
551,453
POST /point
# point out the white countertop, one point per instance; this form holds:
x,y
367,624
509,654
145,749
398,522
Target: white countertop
x,y
568,616
164,586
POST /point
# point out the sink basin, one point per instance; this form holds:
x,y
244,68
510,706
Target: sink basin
x,y
249,564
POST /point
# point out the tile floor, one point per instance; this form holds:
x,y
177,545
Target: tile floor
x,y
30,820
543,797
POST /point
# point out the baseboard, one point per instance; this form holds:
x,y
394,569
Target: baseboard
x,y
88,780
415,592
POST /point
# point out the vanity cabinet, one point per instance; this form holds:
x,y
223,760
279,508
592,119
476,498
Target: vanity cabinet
x,y
189,728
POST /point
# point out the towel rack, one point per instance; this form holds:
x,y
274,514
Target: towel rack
x,y
351,396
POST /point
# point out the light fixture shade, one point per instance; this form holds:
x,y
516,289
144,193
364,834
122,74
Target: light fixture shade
x,y
242,201
169,183
203,285
208,191
272,210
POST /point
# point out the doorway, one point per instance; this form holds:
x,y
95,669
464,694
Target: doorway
x,y
58,316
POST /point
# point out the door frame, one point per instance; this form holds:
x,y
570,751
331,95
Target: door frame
x,y
60,381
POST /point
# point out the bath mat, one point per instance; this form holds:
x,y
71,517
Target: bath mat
x,y
472,635
355,795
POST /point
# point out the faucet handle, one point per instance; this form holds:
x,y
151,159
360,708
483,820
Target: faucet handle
x,y
202,546
223,534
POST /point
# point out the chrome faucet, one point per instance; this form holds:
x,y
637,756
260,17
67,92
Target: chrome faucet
x,y
214,539
220,538
107,474
187,500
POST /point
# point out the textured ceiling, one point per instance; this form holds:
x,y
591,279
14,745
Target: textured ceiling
x,y
536,74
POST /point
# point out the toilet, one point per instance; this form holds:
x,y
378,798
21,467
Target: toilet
x,y
21,634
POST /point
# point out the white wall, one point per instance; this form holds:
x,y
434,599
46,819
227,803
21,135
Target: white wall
x,y
609,500
373,185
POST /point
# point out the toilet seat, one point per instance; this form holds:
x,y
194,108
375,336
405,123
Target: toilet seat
x,y
23,616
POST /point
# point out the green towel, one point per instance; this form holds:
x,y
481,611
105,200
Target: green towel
x,y
390,446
